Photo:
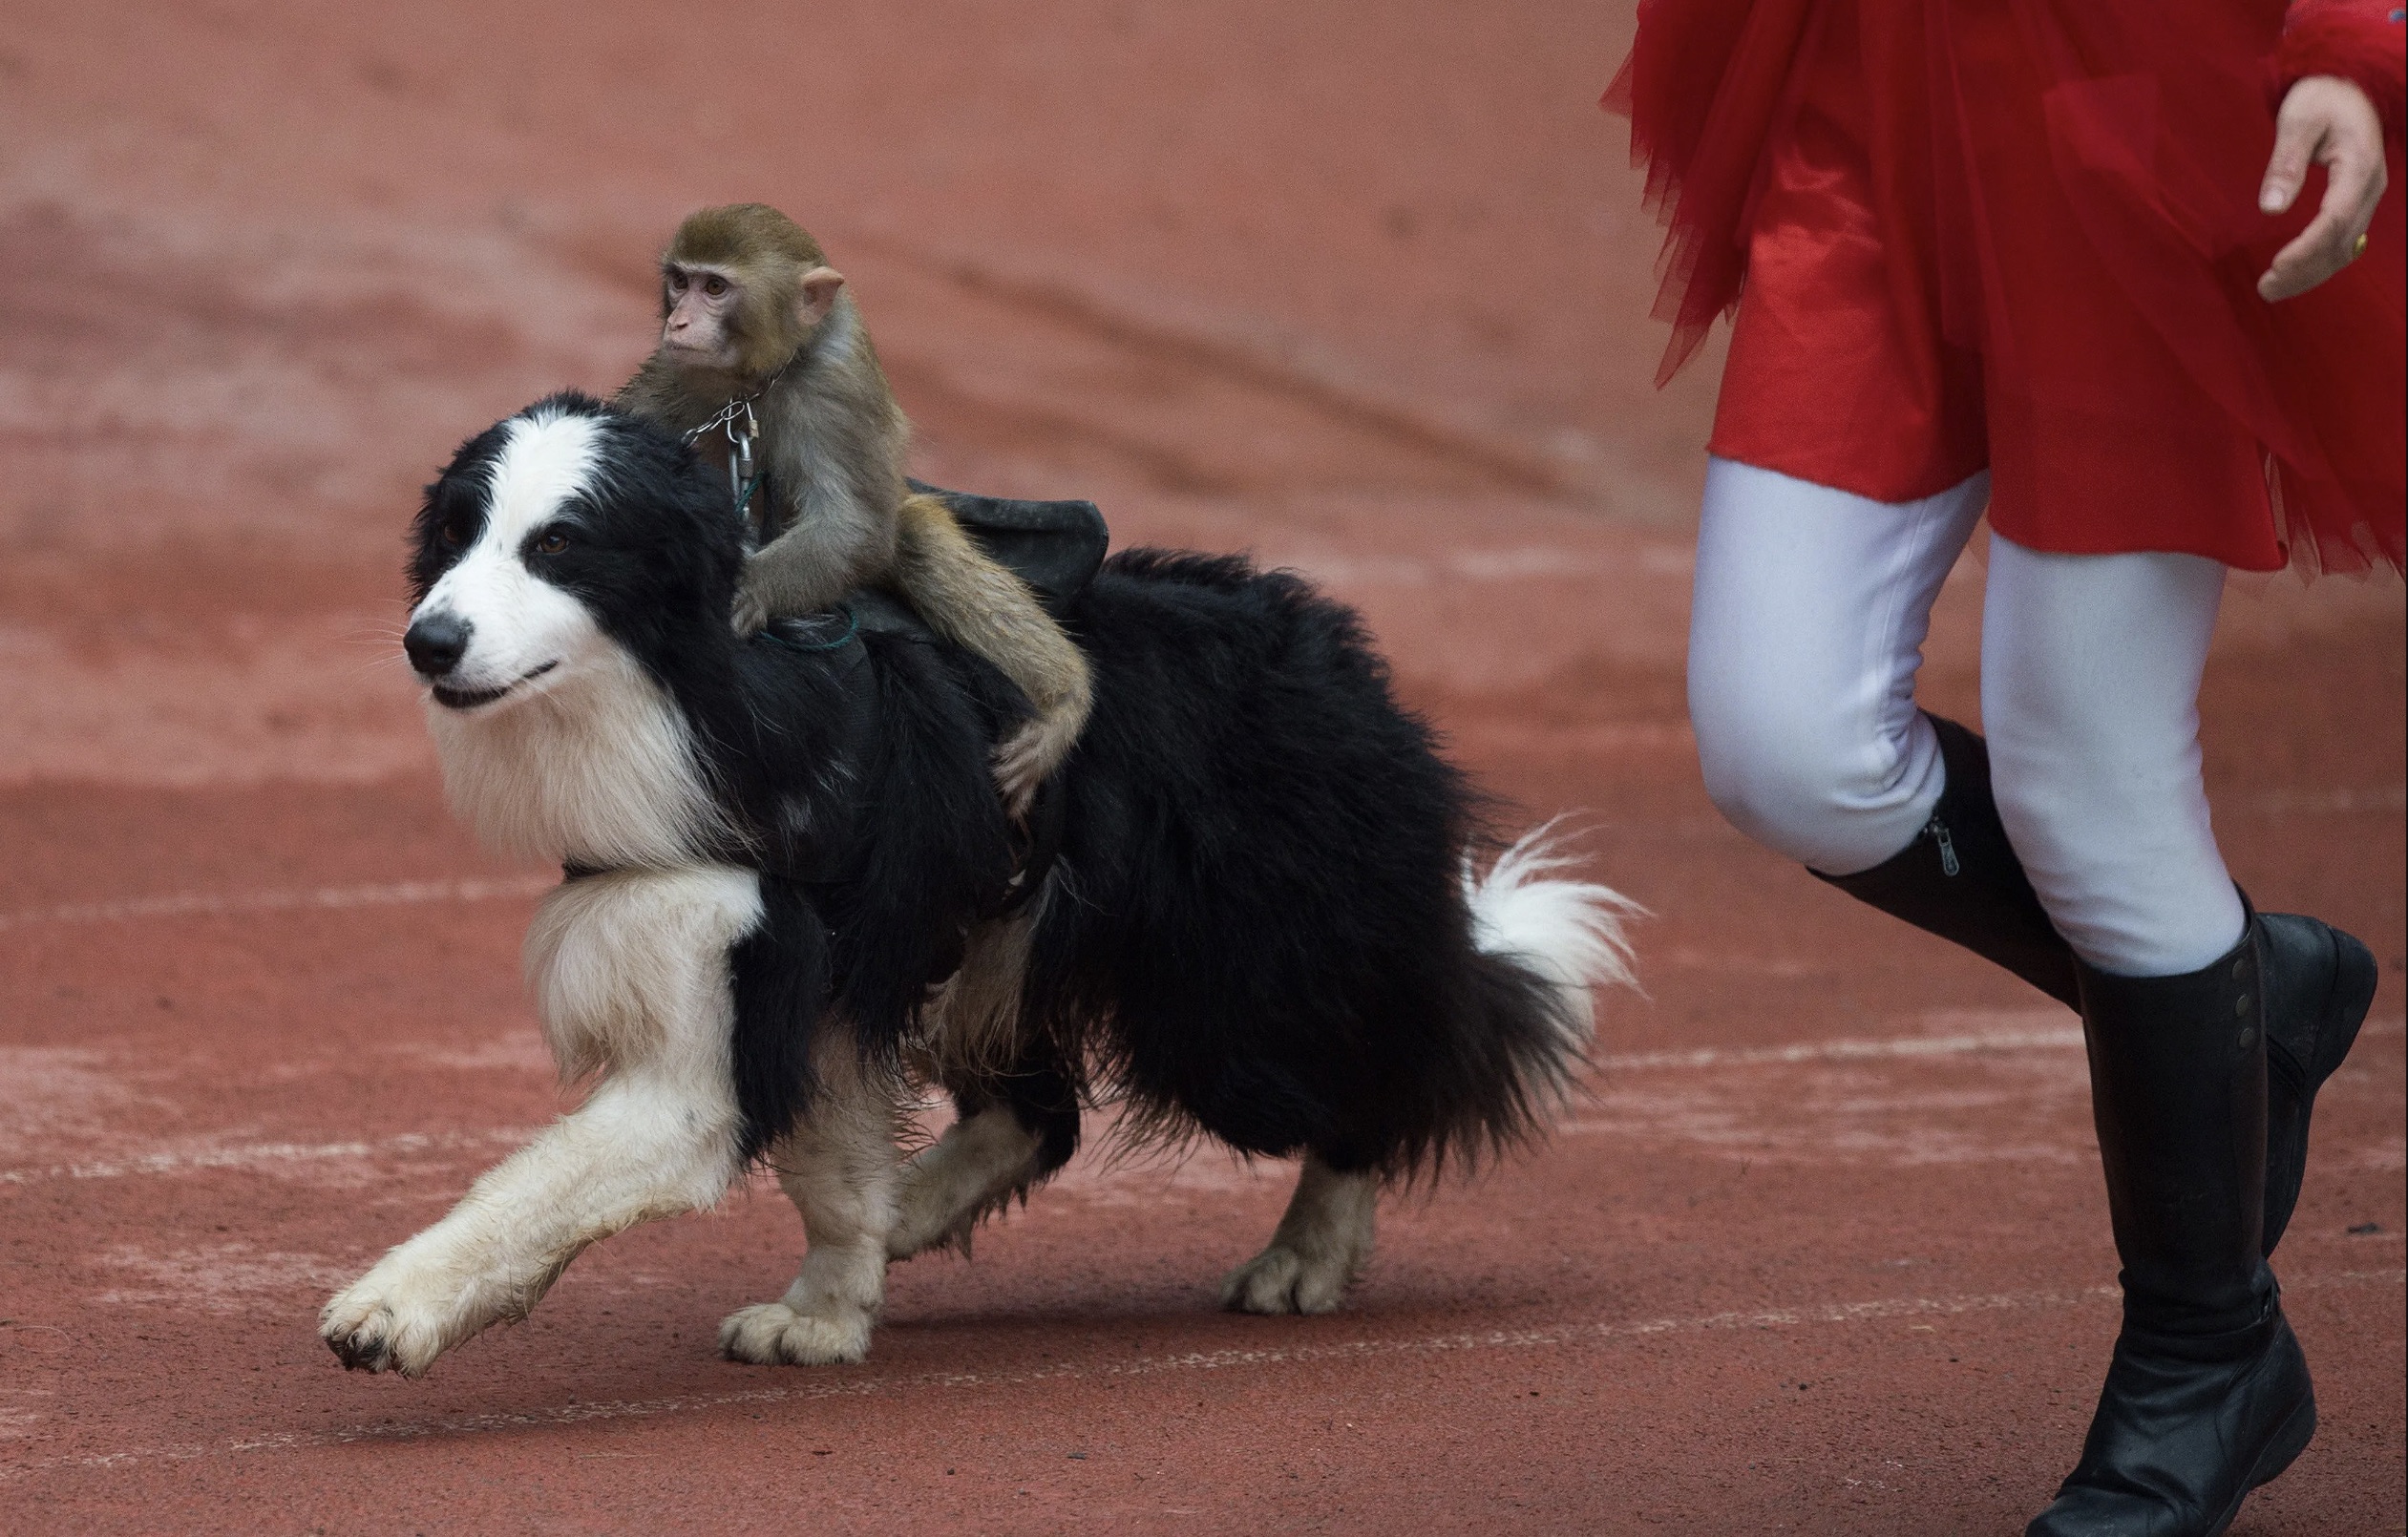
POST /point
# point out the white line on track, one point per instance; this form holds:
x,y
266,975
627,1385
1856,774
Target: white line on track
x,y
267,1154
330,898
2064,1038
408,1144
834,1386
1950,1045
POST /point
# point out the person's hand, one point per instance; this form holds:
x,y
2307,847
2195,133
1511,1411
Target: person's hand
x,y
2327,121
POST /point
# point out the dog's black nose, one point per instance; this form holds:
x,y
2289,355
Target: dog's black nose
x,y
435,643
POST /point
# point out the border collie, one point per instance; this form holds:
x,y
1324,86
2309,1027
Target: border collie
x,y
792,894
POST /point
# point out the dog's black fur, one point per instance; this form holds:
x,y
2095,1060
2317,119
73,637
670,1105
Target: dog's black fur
x,y
1256,924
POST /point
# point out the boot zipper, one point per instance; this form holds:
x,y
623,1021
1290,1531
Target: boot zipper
x,y
1938,828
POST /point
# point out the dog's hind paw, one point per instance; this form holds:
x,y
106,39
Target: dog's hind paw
x,y
1281,1280
773,1334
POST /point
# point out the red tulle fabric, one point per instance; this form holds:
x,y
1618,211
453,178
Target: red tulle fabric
x,y
2043,214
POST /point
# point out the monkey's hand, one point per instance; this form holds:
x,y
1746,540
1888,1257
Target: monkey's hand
x,y
750,614
802,571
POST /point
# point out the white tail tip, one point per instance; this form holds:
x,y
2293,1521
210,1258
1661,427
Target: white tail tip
x,y
1569,932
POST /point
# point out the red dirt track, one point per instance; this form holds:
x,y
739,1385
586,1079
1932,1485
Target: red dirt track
x,y
1360,287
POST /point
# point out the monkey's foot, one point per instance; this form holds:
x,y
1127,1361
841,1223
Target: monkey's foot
x,y
1027,758
750,616
773,1334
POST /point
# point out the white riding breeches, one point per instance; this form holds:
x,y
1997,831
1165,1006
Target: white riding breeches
x,y
1811,611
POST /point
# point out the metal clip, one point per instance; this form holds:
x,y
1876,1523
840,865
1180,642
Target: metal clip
x,y
739,465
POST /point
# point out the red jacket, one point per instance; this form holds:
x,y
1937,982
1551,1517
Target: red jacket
x,y
2076,181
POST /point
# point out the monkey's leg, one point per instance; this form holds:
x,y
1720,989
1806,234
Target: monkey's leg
x,y
1320,1245
976,603
838,1167
638,963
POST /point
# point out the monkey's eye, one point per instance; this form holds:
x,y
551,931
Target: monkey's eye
x,y
714,285
552,540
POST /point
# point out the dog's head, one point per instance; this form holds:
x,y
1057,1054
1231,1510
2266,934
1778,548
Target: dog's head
x,y
556,537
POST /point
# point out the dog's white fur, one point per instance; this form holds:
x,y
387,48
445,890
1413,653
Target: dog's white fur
x,y
838,1167
584,760
1569,932
595,770
631,977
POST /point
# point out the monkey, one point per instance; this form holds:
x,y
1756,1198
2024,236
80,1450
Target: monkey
x,y
757,330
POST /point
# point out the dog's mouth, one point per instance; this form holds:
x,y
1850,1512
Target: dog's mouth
x,y
469,699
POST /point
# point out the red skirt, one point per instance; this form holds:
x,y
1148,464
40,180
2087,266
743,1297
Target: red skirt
x,y
2023,235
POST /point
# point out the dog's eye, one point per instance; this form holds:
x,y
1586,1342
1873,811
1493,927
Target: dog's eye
x,y
551,542
452,534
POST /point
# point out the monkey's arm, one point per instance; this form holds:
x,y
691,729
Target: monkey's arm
x,y
976,603
825,553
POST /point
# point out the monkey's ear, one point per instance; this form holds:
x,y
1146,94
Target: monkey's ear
x,y
815,294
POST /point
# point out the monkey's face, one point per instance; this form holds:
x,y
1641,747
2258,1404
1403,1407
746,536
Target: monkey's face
x,y
701,310
745,317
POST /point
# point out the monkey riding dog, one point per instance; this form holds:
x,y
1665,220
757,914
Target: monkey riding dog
x,y
792,894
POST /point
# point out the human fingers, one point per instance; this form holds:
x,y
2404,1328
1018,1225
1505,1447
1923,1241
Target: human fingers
x,y
2331,240
2347,139
2298,130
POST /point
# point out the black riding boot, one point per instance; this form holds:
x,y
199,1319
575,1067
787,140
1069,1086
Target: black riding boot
x,y
1962,880
2319,983
2208,1395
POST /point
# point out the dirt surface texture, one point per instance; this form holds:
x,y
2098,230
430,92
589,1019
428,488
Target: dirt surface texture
x,y
1821,1247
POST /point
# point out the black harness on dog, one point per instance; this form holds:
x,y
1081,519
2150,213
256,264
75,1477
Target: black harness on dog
x,y
1054,546
874,613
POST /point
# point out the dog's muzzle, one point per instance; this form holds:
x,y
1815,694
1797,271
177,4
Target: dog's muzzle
x,y
436,642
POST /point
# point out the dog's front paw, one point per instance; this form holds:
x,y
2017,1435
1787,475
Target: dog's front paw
x,y
1280,1279
773,1334
375,1326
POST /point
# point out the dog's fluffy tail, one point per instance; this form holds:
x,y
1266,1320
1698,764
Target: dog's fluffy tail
x,y
1568,934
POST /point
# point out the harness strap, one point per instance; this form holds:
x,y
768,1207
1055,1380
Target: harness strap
x,y
1041,839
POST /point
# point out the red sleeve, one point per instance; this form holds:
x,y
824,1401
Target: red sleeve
x,y
2362,41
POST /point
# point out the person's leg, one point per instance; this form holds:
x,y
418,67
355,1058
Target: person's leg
x,y
2090,688
1806,626
2093,722
1810,612
2090,678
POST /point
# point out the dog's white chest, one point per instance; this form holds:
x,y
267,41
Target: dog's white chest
x,y
599,770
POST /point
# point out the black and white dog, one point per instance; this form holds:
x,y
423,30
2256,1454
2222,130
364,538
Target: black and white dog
x,y
794,892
